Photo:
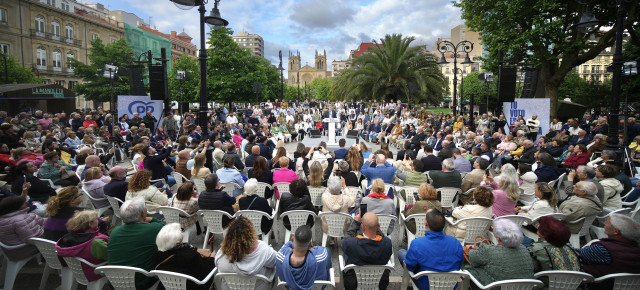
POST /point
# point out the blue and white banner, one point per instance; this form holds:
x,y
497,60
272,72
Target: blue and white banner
x,y
528,108
139,104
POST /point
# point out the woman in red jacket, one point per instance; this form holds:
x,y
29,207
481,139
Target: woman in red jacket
x,y
579,157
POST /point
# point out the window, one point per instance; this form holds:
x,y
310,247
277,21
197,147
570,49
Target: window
x,y
40,25
72,84
64,6
41,58
60,83
55,30
51,2
94,36
70,56
3,16
585,69
69,31
57,60
4,48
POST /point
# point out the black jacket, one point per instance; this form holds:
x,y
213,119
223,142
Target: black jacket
x,y
528,155
350,178
117,188
237,162
217,200
266,178
362,251
289,202
185,259
40,191
266,151
255,202
154,163
431,162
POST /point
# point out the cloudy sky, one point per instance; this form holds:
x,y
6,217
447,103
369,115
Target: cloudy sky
x,y
306,25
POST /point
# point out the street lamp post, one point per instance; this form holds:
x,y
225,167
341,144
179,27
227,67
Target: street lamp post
x,y
281,69
298,81
216,22
110,72
181,75
448,46
461,88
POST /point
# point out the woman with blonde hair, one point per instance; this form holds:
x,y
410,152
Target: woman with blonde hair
x,y
355,159
140,186
546,202
427,199
316,175
241,252
94,185
506,193
83,240
199,170
61,208
481,208
137,153
30,140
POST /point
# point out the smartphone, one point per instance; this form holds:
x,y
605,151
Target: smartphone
x,y
415,196
338,172
357,140
363,209
486,172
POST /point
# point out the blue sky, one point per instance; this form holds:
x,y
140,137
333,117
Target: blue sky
x,y
308,25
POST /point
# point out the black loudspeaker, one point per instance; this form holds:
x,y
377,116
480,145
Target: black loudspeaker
x,y
507,84
532,87
352,134
314,133
157,82
136,85
185,107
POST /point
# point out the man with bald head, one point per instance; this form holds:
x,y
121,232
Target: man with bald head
x,y
383,170
255,153
369,248
118,185
93,161
218,154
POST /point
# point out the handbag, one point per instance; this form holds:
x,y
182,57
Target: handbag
x,y
466,249
67,174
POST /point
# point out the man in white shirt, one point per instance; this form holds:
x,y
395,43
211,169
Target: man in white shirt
x,y
533,125
289,117
268,105
232,119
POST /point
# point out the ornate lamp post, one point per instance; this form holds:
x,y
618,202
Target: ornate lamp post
x,y
298,82
281,69
445,46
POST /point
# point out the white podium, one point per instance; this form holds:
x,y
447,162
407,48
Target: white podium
x,y
332,130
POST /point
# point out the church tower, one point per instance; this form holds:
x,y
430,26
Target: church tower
x,y
294,61
321,61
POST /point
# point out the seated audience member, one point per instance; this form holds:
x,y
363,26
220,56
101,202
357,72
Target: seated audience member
x,y
93,161
612,187
528,181
431,161
186,199
427,200
228,174
242,253
412,177
118,185
617,253
56,170
337,198
154,162
461,164
341,153
433,252
300,264
473,179
17,226
134,243
509,259
578,158
39,191
175,256
317,177
481,208
553,251
369,248
199,170
350,177
505,192
140,186
583,173
546,202
60,209
383,169
250,201
262,174
583,203
94,184
181,164
251,158
547,171
231,153
283,174
215,198
607,155
297,199
447,176
84,241
379,202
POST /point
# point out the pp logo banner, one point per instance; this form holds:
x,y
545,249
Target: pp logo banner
x,y
140,107
139,104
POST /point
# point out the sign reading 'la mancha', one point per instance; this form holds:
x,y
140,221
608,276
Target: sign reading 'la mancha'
x,y
56,92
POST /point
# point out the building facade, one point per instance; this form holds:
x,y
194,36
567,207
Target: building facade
x,y
253,42
43,35
307,73
595,70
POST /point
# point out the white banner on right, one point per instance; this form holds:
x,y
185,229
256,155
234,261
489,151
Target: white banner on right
x,y
527,108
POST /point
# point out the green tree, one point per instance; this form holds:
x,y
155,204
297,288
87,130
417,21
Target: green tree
x,y
471,85
573,87
96,87
388,69
542,33
631,84
321,88
191,85
232,71
17,74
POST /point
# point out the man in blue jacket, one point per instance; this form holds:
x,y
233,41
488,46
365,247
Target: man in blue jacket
x,y
433,252
382,170
342,152
300,264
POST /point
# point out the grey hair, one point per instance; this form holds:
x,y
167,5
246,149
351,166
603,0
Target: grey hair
x,y
520,132
508,232
250,187
448,163
589,187
131,210
479,138
169,237
629,229
589,171
610,153
334,185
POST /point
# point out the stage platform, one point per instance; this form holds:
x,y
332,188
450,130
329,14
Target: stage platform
x,y
313,142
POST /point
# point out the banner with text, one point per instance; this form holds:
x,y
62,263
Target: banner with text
x,y
528,108
139,104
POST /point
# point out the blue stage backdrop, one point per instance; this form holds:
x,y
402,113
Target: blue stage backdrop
x,y
139,104
528,108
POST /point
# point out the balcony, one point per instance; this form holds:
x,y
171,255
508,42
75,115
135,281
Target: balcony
x,y
55,37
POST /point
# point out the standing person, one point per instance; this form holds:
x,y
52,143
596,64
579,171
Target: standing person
x,y
170,126
533,125
300,264
149,120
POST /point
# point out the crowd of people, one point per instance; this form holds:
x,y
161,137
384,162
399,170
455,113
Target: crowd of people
x,y
49,163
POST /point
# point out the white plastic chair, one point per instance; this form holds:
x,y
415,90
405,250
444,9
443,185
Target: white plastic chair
x,y
517,219
178,281
408,200
449,196
229,187
534,222
597,231
317,284
173,215
199,183
368,276
418,219
512,284
75,264
135,166
261,191
255,216
385,222
297,218
179,178
115,205
213,221
93,201
440,280
10,268
475,226
123,277
584,231
282,187
316,195
335,223
233,281
47,249
564,280
622,281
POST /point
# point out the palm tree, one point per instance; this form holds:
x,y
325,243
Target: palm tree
x,y
388,69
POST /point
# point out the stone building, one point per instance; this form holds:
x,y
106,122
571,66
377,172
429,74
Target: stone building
x,y
307,73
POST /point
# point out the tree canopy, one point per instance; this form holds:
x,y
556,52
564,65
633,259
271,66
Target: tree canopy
x,y
542,33
385,72
191,85
17,73
95,86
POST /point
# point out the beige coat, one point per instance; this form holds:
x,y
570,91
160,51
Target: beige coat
x,y
536,209
467,211
576,207
612,190
337,203
153,198
528,186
